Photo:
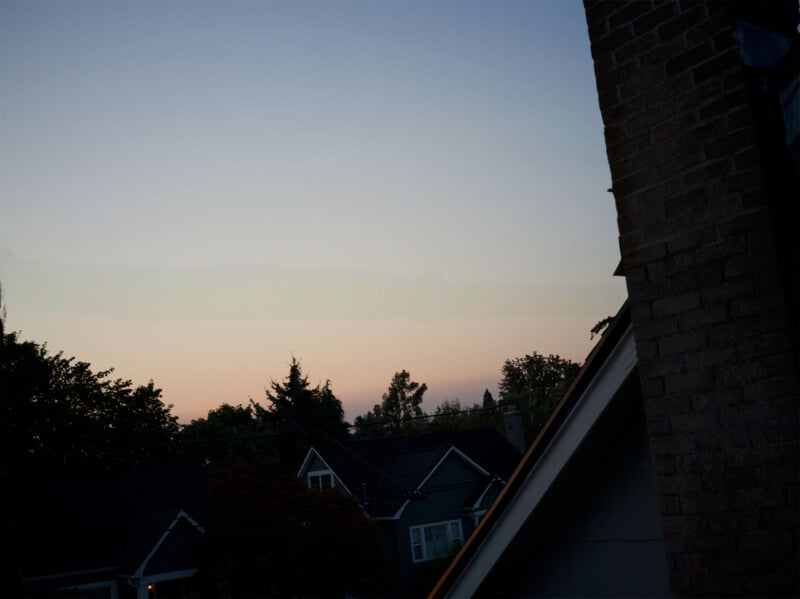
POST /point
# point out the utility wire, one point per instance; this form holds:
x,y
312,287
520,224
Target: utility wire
x,y
182,441
361,459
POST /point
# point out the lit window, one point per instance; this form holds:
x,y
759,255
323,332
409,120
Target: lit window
x,y
435,540
320,479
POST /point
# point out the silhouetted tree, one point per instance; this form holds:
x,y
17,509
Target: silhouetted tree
x,y
300,414
534,384
450,415
399,406
488,400
600,327
228,431
271,536
58,415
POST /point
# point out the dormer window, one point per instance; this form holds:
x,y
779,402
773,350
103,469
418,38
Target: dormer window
x,y
320,479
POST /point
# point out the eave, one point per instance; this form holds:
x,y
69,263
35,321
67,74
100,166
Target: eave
x,y
607,367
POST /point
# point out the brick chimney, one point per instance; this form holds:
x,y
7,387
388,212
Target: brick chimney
x,y
706,188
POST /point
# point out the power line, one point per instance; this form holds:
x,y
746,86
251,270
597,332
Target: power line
x,y
473,410
180,441
358,457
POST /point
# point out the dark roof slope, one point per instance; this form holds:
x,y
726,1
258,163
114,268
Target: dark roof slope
x,y
380,472
81,524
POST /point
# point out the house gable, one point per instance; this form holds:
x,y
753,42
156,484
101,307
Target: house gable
x,y
429,483
182,528
314,463
455,471
93,534
442,503
176,551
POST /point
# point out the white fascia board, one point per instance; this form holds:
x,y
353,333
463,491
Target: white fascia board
x,y
464,457
190,520
594,399
302,472
66,574
181,514
396,516
174,575
496,479
451,450
311,452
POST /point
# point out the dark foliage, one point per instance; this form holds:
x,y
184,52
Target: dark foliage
x,y
299,414
226,433
57,415
270,536
450,415
533,385
601,326
398,411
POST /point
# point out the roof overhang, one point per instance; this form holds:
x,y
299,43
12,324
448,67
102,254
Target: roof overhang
x,y
301,473
496,480
74,573
605,371
181,514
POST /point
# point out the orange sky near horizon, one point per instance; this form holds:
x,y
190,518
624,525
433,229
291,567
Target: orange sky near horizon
x,y
193,192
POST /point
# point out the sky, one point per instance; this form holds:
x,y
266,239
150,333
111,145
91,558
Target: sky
x,y
195,191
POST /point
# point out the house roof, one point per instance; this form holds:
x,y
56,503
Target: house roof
x,y
67,526
382,472
608,366
147,537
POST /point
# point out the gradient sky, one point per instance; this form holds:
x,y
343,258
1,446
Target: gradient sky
x,y
194,191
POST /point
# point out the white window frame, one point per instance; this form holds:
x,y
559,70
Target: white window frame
x,y
320,474
454,533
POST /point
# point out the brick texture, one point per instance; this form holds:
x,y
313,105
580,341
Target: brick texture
x,y
702,257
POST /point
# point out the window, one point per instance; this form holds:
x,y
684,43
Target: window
x,y
320,479
435,540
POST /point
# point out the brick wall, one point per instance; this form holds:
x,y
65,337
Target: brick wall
x,y
712,312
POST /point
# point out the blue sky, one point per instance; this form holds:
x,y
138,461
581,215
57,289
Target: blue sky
x,y
193,191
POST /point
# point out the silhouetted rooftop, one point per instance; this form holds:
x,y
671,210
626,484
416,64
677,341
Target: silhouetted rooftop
x,y
385,470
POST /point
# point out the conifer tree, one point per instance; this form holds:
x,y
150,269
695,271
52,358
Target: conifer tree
x,y
300,414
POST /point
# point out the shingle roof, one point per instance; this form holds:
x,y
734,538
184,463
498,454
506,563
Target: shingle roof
x,y
380,472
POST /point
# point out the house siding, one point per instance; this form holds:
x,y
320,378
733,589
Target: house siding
x,y
445,493
707,207
316,463
597,531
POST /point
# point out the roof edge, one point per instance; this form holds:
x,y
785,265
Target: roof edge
x,y
307,461
180,514
450,450
68,574
594,362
